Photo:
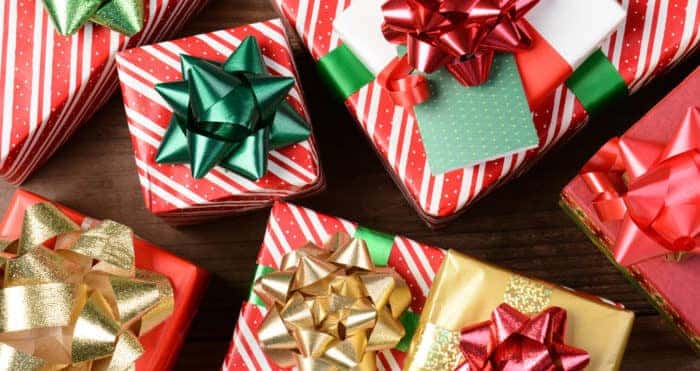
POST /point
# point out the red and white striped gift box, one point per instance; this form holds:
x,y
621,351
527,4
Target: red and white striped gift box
x,y
290,227
51,84
656,35
169,190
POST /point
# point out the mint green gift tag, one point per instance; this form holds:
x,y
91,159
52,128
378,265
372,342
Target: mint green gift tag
x,y
463,126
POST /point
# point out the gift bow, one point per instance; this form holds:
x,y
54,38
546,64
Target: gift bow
x,y
83,303
660,204
123,16
230,115
513,341
331,308
460,35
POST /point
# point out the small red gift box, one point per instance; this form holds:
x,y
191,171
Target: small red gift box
x,y
642,172
169,190
51,84
189,282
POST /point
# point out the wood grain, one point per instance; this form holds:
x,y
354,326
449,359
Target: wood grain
x,y
518,226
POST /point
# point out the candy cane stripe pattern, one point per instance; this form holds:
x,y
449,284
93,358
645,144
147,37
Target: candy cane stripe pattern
x,y
291,227
51,84
169,190
656,35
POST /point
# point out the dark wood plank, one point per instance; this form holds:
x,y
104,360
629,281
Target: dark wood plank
x,y
519,226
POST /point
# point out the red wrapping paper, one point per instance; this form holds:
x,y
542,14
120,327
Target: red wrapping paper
x,y
189,282
654,37
51,84
672,286
169,190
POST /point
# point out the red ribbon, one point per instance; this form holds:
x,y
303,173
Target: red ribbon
x,y
653,188
514,341
460,35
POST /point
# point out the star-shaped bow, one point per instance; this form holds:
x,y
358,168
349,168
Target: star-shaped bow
x,y
229,114
123,16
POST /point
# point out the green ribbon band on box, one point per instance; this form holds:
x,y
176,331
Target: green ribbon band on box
x,y
596,83
229,114
380,246
123,16
343,72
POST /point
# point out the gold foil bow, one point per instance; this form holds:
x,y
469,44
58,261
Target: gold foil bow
x,y
330,308
78,306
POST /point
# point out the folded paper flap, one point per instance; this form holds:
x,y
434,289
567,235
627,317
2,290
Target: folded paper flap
x,y
466,291
576,28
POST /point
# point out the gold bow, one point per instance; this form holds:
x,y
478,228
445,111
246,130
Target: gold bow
x,y
330,308
78,306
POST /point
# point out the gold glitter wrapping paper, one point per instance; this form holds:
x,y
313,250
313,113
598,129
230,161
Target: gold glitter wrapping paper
x,y
466,291
78,306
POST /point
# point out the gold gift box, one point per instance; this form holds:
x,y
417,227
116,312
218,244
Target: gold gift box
x,y
466,291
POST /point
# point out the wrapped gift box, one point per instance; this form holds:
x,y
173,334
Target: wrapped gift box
x,y
189,282
51,84
671,286
653,37
170,191
290,227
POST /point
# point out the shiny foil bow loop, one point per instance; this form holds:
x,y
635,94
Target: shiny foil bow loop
x,y
330,308
460,35
72,298
123,16
513,341
229,114
652,188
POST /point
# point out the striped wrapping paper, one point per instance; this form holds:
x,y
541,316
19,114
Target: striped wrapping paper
x,y
51,84
656,35
169,190
290,227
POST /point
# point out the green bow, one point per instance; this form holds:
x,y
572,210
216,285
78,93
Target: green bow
x,y
123,16
229,115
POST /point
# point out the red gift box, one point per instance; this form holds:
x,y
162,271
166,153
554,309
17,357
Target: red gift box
x,y
189,282
672,286
51,84
169,190
653,38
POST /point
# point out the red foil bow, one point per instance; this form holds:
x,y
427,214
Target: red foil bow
x,y
653,188
514,341
461,35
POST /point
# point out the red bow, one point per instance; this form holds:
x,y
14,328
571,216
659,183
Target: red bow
x,y
513,341
660,204
461,35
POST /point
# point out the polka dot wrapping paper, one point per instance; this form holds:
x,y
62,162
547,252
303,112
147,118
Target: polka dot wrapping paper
x,y
290,227
169,190
52,84
654,36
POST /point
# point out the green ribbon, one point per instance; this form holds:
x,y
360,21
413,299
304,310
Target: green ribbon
x,y
379,244
343,72
229,115
596,83
123,16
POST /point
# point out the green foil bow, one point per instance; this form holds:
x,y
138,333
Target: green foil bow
x,y
123,16
229,114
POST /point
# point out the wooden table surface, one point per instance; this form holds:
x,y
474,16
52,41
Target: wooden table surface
x,y
518,226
